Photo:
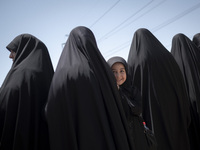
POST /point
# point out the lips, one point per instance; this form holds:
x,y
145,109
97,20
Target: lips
x,y
119,81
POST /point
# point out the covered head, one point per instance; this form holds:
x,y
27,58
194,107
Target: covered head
x,y
196,39
16,43
116,59
26,47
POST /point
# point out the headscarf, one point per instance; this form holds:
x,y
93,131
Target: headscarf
x,y
84,110
165,103
23,96
187,55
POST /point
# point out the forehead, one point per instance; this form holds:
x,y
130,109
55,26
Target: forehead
x,y
118,65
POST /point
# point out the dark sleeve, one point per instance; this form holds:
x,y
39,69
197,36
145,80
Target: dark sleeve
x,y
135,102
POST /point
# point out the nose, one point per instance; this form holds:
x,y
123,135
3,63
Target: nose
x,y
117,75
10,56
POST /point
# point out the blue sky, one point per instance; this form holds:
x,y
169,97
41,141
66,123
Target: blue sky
x,y
113,23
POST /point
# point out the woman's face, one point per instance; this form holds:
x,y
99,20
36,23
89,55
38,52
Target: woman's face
x,y
119,72
12,55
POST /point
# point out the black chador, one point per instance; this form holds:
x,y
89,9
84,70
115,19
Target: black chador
x,y
23,96
84,110
165,103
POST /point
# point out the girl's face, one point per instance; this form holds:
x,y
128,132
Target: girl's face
x,y
119,72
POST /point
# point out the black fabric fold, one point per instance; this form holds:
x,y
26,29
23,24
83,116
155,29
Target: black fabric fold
x,y
196,40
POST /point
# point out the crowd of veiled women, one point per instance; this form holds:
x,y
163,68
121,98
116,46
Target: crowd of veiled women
x,y
79,105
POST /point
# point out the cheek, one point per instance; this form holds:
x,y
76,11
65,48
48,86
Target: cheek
x,y
124,77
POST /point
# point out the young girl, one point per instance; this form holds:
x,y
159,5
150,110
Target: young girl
x,y
131,101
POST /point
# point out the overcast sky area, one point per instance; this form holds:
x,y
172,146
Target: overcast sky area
x,y
113,23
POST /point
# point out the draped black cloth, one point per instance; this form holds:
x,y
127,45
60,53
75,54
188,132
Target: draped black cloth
x,y
196,40
165,103
23,96
187,55
132,104
84,110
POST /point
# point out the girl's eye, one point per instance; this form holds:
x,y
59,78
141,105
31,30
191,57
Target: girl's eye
x,y
122,71
114,72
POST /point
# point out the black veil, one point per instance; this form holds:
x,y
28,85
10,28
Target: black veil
x,y
165,104
84,110
187,55
23,96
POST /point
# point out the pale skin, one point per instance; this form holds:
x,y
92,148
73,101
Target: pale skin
x,y
119,73
12,55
